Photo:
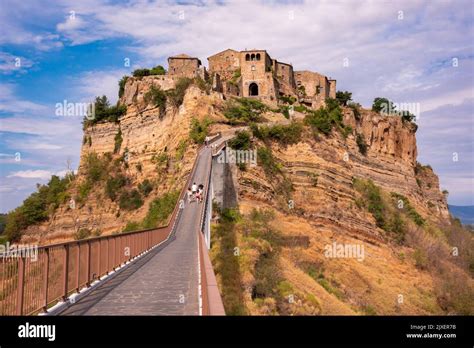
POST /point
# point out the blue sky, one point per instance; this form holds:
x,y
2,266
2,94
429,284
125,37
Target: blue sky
x,y
409,51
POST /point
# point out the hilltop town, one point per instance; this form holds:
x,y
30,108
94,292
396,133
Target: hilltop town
x,y
253,74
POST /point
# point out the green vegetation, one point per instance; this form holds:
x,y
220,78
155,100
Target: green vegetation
x,y
407,207
235,77
114,186
325,118
382,104
95,168
355,109
176,95
145,187
287,99
199,130
130,200
181,149
284,134
372,199
38,206
157,70
360,140
385,106
122,83
103,112
118,141
244,110
388,211
160,210
285,110
343,97
246,246
241,141
268,162
156,96
82,233
161,161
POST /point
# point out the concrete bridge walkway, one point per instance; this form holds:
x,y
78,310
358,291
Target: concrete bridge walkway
x,y
163,282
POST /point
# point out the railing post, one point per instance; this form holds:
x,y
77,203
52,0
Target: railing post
x,y
21,286
107,244
88,264
66,270
78,263
45,279
98,258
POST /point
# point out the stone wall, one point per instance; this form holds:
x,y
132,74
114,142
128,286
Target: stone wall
x,y
224,63
183,67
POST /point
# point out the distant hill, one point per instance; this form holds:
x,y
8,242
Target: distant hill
x,y
465,213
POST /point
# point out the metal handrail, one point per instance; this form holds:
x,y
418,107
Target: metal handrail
x,y
28,286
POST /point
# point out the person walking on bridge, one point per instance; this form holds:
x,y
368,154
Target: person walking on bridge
x,y
190,195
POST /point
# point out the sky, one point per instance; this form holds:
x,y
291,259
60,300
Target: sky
x,y
52,52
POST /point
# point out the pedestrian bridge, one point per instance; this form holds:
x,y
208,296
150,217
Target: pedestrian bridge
x,y
161,271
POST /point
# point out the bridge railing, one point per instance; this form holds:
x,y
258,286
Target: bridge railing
x,y
29,285
211,298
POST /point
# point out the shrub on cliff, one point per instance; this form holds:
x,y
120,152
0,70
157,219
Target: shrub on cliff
x,y
372,199
241,141
118,141
130,200
284,134
122,83
361,144
160,210
103,112
114,185
176,95
145,187
244,110
325,118
199,130
267,160
156,96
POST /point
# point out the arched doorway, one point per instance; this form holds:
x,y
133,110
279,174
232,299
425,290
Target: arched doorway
x,y
253,89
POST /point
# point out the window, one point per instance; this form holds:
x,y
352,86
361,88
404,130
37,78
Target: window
x,y
253,89
252,57
247,57
258,56
253,67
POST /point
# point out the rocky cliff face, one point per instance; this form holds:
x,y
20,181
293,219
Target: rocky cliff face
x,y
322,210
141,135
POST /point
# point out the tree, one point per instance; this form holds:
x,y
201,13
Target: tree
x,y
343,97
122,83
383,104
158,70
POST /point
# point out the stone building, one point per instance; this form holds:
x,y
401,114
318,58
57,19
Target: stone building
x,y
254,74
183,65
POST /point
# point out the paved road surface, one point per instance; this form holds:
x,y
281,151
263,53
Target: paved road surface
x,y
163,282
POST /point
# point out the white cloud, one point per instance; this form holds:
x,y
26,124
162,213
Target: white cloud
x,y
31,174
97,83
